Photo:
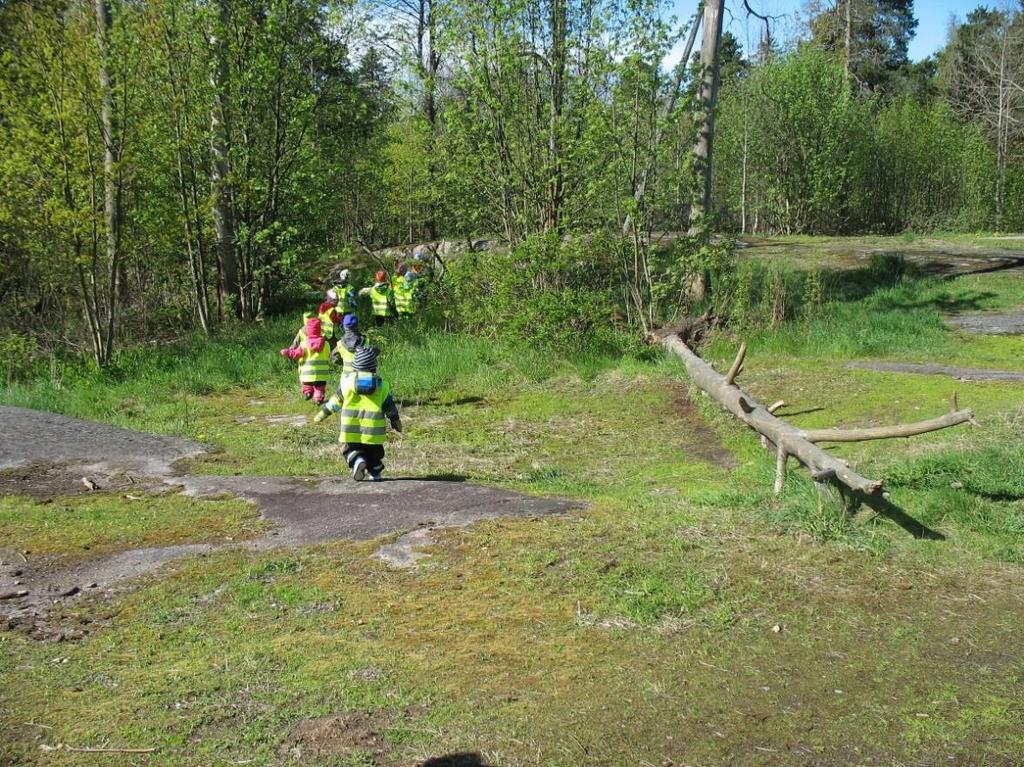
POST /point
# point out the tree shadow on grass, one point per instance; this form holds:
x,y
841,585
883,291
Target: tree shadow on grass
x,y
442,401
886,508
444,477
467,759
998,497
889,269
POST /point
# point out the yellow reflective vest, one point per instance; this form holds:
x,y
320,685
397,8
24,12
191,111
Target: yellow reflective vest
x,y
381,297
348,299
405,297
314,367
362,415
327,328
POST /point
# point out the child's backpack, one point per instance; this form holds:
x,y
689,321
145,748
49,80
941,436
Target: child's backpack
x,y
366,383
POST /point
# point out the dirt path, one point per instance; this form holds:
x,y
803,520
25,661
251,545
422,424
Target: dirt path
x,y
961,373
301,510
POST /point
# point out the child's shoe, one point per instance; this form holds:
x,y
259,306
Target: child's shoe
x,y
359,470
375,477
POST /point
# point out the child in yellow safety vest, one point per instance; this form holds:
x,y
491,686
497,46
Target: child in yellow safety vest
x,y
348,299
382,298
406,297
314,357
366,406
348,344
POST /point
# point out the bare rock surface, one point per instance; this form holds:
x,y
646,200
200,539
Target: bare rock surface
x,y
961,373
38,449
31,436
990,323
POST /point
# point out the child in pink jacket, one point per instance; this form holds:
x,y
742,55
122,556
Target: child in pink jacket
x,y
313,354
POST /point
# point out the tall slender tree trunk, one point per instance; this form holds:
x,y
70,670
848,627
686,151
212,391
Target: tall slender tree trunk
x,y
848,42
743,180
220,170
556,100
111,185
664,114
181,107
702,150
428,63
1002,132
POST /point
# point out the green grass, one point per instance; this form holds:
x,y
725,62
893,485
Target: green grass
x,y
80,527
640,629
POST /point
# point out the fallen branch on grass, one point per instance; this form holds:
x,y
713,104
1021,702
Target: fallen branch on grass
x,y
900,430
89,750
788,440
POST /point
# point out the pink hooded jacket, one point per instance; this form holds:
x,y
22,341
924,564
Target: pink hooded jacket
x,y
313,340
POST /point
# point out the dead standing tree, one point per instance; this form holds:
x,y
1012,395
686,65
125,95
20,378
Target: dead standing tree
x,y
788,440
702,148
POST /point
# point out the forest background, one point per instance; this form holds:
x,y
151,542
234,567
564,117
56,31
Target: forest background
x,y
180,165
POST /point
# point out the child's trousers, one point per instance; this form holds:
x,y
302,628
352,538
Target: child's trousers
x,y
317,391
372,454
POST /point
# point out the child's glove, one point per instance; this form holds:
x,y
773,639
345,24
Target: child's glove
x,y
396,424
284,352
321,415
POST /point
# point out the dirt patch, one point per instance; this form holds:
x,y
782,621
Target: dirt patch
x,y
355,734
45,481
961,373
407,550
697,439
44,585
990,323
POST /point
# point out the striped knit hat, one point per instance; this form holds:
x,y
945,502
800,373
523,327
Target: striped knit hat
x,y
366,359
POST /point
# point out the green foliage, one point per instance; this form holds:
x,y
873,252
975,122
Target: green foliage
x,y
545,292
798,151
19,355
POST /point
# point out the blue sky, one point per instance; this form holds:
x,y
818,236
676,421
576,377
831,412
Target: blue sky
x,y
933,18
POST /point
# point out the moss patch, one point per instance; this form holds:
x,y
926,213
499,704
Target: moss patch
x,y
83,527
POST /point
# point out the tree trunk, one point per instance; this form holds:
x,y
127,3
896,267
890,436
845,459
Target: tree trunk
x,y
789,440
783,435
556,98
848,43
1001,129
428,63
663,118
220,170
702,150
111,185
743,181
181,105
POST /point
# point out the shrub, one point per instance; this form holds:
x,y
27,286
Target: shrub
x,y
544,292
19,357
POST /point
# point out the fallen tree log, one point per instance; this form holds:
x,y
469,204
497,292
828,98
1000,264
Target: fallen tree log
x,y
787,439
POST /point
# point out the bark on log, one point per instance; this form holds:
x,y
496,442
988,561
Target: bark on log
x,y
785,436
890,432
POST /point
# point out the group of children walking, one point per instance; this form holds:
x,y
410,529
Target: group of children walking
x,y
332,337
